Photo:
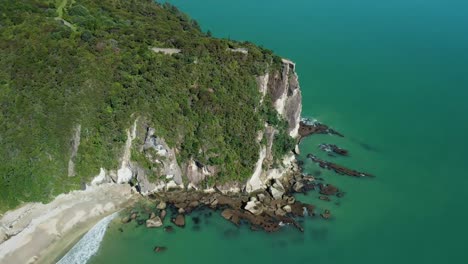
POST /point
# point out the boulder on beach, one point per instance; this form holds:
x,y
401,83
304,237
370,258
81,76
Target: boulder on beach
x,y
154,222
298,186
163,214
277,190
255,207
161,205
179,220
227,214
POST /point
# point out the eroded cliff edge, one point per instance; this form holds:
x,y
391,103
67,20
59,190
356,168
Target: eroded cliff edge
x,y
157,167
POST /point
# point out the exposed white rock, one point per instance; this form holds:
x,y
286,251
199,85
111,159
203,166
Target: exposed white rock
x,y
277,190
255,207
154,222
165,156
263,85
191,186
101,178
74,150
196,172
171,185
125,174
255,183
209,190
167,51
161,206
239,50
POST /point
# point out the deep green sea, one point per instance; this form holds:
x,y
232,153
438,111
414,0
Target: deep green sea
x,y
390,75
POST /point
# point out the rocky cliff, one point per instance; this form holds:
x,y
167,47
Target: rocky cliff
x,y
284,91
158,169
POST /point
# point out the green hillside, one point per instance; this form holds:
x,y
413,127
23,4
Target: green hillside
x,y
64,63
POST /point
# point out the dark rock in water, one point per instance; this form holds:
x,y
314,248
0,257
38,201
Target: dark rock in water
x,y
141,221
254,228
307,129
328,189
159,249
337,168
196,220
179,220
340,194
324,198
231,233
317,173
169,229
208,214
330,148
121,230
326,214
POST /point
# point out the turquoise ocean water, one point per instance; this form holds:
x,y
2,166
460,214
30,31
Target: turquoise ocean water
x,y
390,75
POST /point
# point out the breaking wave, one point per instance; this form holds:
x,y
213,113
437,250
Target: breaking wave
x,y
89,244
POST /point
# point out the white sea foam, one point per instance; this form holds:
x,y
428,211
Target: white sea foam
x,y
89,244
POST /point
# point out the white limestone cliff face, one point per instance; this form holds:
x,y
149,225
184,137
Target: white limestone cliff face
x,y
197,172
256,182
124,174
159,153
263,85
283,87
285,92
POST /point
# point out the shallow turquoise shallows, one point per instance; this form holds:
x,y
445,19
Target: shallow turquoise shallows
x,y
390,75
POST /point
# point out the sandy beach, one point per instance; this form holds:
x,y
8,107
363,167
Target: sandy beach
x,y
39,233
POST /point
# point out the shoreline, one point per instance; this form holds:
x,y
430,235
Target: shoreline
x,y
59,224
56,252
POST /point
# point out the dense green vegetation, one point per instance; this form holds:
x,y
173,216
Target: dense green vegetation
x,y
95,68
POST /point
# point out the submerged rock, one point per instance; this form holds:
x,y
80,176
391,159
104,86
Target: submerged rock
x,y
159,249
328,189
169,229
126,220
337,168
179,220
326,214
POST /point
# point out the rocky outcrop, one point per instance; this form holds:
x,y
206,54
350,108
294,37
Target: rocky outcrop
x,y
154,221
283,88
197,172
285,93
125,174
162,154
102,177
167,51
75,143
